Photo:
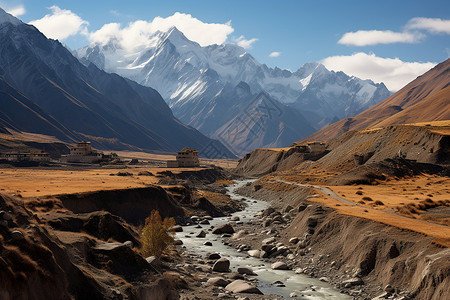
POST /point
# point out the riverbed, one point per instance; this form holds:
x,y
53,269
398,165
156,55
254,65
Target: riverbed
x,y
305,287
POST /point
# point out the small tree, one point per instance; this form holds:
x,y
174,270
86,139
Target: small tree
x,y
156,235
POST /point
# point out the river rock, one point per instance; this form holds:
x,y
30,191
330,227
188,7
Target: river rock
x,y
235,276
153,261
268,241
246,271
177,228
177,242
235,218
279,265
207,243
222,265
324,279
17,235
213,256
201,234
288,209
226,228
240,286
352,282
293,240
217,281
254,253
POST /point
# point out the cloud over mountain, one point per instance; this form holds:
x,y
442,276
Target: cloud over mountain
x,y
394,72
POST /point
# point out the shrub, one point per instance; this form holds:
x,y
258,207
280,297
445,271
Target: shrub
x,y
155,236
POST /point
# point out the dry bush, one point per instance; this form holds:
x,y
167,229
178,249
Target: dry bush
x,y
359,193
378,202
367,198
156,235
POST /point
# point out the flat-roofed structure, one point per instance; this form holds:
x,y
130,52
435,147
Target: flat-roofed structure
x,y
187,158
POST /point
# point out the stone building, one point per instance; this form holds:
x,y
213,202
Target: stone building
x,y
187,157
82,152
31,155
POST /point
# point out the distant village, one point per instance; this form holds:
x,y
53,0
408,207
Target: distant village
x,y
84,153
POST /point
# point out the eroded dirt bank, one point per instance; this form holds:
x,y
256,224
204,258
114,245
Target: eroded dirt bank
x,y
86,245
363,258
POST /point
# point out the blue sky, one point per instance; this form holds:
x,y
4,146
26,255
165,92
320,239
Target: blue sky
x,y
381,40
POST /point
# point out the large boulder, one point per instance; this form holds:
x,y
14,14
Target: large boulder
x,y
279,265
226,228
240,286
246,271
217,281
254,253
222,265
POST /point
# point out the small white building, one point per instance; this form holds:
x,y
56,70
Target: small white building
x,y
82,152
187,157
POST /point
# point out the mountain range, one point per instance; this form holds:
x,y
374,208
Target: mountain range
x,y
425,99
211,88
45,89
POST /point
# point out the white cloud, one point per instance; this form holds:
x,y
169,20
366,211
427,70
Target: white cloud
x,y
16,11
138,32
60,24
374,37
433,25
394,72
244,43
275,54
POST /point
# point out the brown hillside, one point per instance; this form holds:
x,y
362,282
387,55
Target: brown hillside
x,y
425,99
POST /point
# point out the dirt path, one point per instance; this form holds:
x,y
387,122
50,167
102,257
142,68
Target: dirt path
x,y
331,193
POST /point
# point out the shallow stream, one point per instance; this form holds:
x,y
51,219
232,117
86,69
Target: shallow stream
x,y
304,286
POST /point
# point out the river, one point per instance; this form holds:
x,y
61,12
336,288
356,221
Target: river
x,y
305,287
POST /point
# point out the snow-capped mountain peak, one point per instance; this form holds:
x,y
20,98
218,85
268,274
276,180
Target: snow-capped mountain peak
x,y
196,81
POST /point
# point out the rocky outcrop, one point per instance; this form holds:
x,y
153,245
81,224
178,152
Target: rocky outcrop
x,y
64,261
118,202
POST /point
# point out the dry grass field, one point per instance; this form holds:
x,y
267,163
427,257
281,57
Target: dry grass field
x,y
420,203
45,182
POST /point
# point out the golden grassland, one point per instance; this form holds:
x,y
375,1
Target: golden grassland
x,y
402,203
46,182
408,197
439,232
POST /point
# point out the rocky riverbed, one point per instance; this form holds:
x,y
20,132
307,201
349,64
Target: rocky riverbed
x,y
218,253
